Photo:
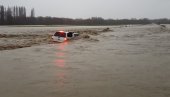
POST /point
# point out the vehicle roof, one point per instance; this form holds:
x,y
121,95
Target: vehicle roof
x,y
66,31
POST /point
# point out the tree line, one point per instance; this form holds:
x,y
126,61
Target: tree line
x,y
17,15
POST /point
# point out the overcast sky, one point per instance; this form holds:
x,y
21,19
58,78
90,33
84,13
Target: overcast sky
x,y
116,9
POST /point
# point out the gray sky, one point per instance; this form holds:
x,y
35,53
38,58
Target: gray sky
x,y
116,9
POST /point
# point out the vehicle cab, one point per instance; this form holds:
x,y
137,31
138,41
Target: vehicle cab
x,y
61,36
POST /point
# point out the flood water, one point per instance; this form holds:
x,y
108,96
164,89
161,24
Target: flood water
x,y
128,62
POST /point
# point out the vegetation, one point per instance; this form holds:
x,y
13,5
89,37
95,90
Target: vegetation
x,y
17,16
14,16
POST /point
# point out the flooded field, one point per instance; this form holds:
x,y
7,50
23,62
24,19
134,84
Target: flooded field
x,y
129,61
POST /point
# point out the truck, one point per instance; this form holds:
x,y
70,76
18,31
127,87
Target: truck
x,y
62,36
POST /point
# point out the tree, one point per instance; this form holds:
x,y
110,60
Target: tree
x,y
2,15
17,11
32,13
9,16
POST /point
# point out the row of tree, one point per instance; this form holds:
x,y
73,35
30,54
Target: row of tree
x,y
17,15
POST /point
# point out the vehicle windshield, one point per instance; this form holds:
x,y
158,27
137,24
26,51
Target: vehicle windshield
x,y
60,34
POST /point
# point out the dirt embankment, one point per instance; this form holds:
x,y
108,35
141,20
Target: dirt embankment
x,y
14,41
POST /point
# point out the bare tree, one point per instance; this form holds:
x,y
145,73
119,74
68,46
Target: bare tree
x,y
32,13
2,15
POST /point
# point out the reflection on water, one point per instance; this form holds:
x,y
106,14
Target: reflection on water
x,y
60,54
61,79
60,62
62,46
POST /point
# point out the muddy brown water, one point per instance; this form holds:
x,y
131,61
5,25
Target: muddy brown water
x,y
129,62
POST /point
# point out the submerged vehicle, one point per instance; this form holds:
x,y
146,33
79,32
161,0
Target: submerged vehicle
x,y
61,36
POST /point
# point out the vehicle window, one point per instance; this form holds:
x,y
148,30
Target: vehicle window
x,y
70,34
60,34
